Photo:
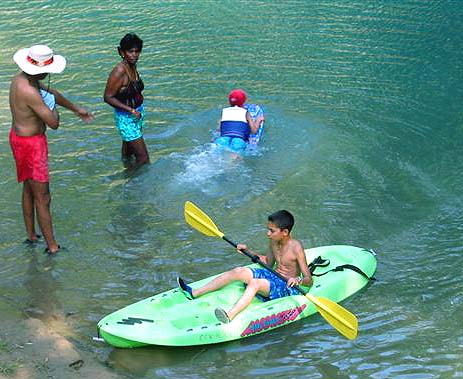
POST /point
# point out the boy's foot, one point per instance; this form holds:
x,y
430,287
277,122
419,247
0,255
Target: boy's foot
x,y
222,316
186,289
30,241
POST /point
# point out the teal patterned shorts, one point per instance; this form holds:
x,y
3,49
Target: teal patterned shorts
x,y
130,128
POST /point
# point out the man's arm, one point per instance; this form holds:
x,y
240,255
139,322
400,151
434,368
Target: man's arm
x,y
80,112
35,102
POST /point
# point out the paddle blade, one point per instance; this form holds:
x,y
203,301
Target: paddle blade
x,y
339,317
200,221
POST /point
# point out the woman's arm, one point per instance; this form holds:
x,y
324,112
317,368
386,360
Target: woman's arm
x,y
116,81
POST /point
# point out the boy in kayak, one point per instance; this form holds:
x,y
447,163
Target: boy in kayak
x,y
236,123
285,252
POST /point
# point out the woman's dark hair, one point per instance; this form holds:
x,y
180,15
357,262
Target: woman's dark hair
x,y
282,219
129,41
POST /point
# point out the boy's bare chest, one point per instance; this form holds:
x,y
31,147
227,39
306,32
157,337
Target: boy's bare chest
x,y
283,256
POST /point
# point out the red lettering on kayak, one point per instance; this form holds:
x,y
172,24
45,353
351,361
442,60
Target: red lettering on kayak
x,y
272,321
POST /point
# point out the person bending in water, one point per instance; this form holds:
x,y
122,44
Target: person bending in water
x,y
33,107
284,251
236,123
124,92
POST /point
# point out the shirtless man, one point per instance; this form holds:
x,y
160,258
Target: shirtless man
x,y
33,108
284,251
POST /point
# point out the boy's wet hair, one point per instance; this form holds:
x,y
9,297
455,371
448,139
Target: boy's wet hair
x,y
282,219
129,41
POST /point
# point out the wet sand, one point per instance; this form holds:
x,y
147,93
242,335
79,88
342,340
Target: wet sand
x,y
31,348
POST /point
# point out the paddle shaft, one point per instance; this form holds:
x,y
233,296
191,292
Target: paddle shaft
x,y
256,259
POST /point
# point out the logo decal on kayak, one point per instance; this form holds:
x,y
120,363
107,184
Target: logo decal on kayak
x,y
273,321
134,320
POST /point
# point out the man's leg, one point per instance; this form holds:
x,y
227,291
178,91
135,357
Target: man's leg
x,y
42,200
28,211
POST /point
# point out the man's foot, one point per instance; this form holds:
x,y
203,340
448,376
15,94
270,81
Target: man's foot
x,y
186,289
222,316
31,241
52,252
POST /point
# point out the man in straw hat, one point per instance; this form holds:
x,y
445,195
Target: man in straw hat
x,y
33,107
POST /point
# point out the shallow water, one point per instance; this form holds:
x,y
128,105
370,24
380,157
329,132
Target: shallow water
x,y
363,144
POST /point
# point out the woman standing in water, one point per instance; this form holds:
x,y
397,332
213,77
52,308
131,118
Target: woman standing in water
x,y
124,92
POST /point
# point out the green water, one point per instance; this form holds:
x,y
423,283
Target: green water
x,y
363,144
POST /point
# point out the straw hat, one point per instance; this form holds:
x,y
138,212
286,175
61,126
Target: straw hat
x,y
39,59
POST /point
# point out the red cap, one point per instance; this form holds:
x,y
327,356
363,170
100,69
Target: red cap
x,y
237,97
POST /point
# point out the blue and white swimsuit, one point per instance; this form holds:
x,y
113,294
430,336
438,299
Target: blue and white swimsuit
x,y
278,287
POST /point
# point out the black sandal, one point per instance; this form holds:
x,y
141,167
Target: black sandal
x,y
28,241
47,251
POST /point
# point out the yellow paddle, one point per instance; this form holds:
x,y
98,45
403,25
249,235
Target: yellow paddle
x,y
340,318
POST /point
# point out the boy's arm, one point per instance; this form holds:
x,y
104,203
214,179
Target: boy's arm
x,y
241,246
306,278
254,125
270,257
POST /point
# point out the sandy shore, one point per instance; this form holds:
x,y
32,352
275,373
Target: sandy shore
x,y
32,349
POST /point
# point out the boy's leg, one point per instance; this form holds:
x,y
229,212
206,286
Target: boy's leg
x,y
243,274
254,286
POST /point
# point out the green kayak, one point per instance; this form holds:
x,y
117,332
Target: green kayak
x,y
170,319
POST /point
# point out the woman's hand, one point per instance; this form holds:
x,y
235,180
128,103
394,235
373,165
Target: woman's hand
x,y
136,114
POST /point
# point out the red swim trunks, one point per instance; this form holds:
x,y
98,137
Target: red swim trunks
x,y
31,156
